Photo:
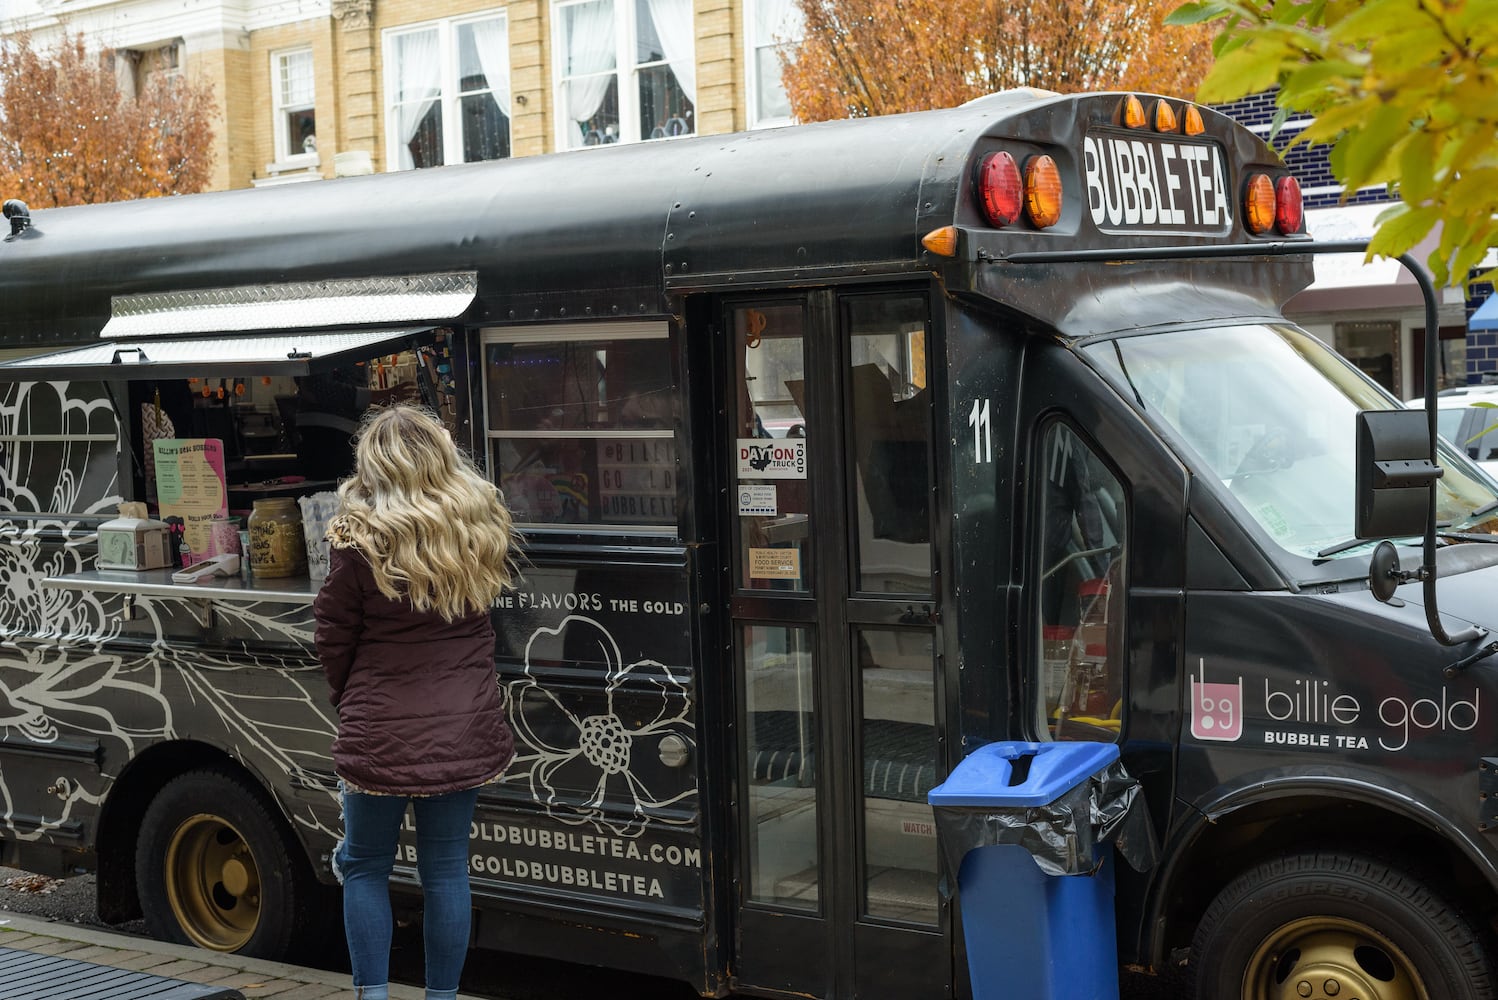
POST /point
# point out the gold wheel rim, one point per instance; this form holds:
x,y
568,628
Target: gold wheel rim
x,y
212,883
1330,958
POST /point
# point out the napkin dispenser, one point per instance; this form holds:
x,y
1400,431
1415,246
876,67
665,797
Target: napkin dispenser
x,y
134,543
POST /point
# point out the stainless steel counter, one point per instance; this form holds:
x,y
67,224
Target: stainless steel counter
x,y
158,583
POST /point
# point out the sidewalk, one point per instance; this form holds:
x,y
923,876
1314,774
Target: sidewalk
x,y
253,977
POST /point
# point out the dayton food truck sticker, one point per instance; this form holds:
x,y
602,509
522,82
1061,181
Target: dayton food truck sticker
x,y
1310,713
772,458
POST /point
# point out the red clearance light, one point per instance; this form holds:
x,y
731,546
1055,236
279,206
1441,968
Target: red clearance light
x,y
1133,112
999,189
1258,204
1042,191
1288,214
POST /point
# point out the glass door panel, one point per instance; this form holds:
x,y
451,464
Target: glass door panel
x,y
899,750
780,725
773,501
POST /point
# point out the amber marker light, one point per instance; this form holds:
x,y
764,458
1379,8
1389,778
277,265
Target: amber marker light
x,y
999,189
942,242
1288,214
1258,204
1042,191
1133,112
1165,117
1194,123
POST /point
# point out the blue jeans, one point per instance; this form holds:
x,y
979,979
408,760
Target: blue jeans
x,y
363,861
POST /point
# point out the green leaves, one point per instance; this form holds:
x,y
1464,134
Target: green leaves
x,y
1406,91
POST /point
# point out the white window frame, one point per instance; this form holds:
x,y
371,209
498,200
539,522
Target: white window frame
x,y
286,157
447,57
626,72
752,46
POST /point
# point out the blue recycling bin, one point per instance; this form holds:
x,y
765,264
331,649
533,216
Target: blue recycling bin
x,y
1032,935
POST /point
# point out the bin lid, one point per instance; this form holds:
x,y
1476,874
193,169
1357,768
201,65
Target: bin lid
x,y
984,777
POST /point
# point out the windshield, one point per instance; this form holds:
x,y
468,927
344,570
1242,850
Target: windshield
x,y
1268,411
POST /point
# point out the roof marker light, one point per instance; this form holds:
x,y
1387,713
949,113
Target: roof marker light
x,y
1042,191
942,242
999,189
1133,112
1288,213
1194,123
1258,204
1165,117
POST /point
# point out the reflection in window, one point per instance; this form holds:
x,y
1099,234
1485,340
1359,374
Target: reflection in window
x,y
447,73
582,428
780,746
1083,522
891,443
898,746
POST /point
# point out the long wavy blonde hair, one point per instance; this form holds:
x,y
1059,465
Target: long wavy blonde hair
x,y
432,527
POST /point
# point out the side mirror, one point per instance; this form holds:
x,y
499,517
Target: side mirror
x,y
1395,470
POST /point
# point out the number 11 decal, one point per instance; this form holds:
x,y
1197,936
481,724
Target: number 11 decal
x,y
982,432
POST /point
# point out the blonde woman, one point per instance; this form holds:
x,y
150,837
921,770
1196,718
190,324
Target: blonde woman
x,y
420,548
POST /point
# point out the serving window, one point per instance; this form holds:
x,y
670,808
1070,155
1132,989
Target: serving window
x,y
582,424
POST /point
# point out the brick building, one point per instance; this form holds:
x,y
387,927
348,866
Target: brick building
x,y
310,89
1374,313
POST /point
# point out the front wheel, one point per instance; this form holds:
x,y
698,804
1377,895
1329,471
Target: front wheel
x,y
214,868
1336,926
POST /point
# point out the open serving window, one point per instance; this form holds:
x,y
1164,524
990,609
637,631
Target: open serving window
x,y
213,419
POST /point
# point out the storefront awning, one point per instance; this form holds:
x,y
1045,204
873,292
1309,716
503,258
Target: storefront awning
x,y
1343,282
217,357
1485,319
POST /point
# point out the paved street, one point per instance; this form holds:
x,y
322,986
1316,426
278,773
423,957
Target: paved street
x,y
64,908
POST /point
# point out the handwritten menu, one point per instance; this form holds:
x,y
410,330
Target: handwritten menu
x,y
190,485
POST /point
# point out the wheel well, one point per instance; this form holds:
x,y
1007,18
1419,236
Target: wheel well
x,y
1255,833
120,819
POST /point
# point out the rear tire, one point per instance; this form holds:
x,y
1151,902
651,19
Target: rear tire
x,y
215,868
1325,924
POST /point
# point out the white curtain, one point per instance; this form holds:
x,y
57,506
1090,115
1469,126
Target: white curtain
x,y
418,85
296,80
590,55
673,26
492,42
776,21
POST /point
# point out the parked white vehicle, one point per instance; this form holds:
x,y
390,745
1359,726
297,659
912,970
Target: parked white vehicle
x,y
1468,418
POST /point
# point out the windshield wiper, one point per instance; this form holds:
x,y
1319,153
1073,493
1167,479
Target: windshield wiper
x,y
1351,543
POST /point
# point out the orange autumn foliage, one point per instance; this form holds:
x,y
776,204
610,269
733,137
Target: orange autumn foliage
x,y
877,57
70,136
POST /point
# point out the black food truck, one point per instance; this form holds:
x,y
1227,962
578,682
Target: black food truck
x,y
840,452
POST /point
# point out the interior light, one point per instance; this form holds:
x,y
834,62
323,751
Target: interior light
x,y
1042,191
1133,112
1288,213
942,242
999,189
1194,123
1165,117
1258,204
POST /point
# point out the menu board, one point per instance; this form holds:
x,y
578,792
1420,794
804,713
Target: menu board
x,y
190,486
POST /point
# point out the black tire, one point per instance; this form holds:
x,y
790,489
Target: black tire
x,y
1292,925
215,867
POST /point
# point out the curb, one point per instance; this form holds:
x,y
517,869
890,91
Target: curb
x,y
304,981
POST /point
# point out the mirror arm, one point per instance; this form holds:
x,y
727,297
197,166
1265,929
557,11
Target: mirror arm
x,y
1427,572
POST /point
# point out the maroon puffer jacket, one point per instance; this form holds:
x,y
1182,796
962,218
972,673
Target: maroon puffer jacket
x,y
417,698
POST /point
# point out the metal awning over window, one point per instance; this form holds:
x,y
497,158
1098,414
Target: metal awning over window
x,y
299,353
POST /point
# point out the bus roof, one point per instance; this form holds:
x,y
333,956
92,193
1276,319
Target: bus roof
x,y
609,231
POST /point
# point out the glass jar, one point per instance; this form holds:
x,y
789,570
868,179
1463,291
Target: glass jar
x,y
277,546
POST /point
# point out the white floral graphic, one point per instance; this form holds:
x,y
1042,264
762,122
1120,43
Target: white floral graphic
x,y
587,751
